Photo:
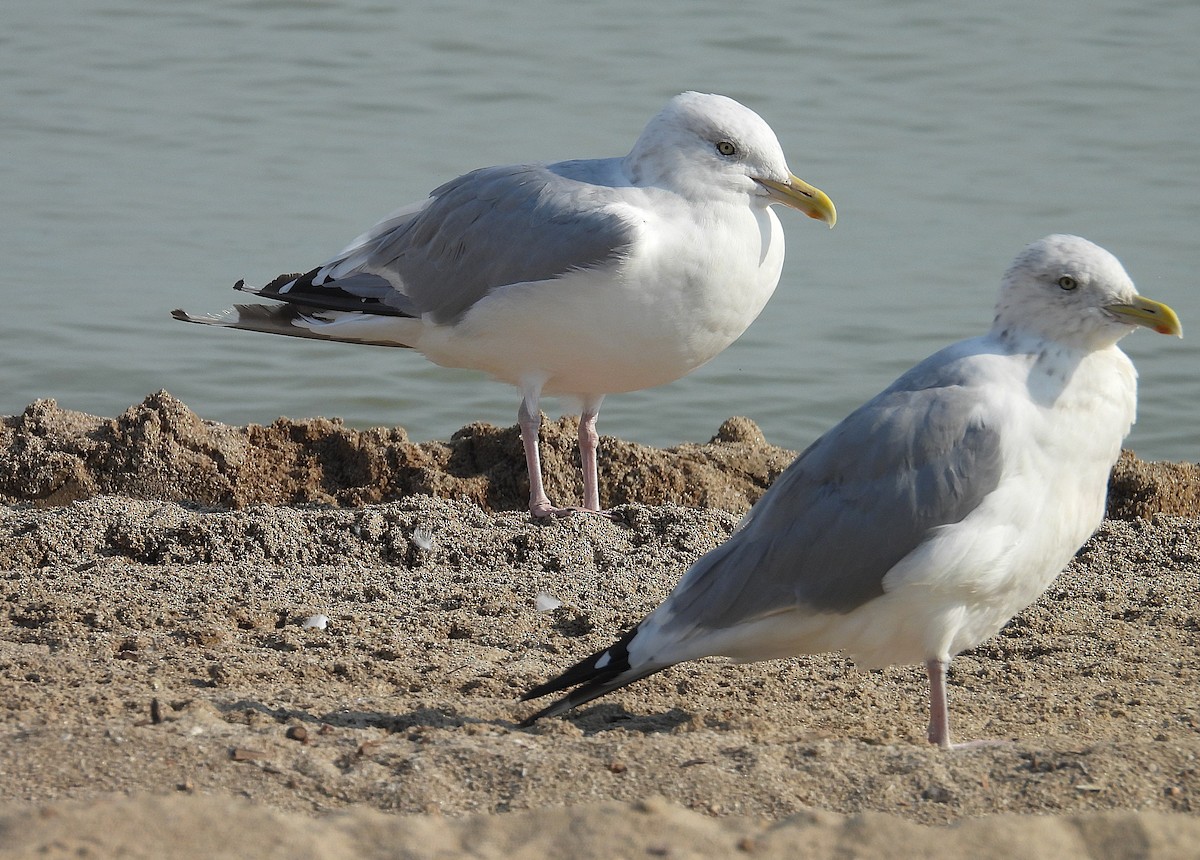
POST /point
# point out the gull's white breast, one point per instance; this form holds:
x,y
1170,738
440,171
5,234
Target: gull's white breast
x,y
688,288
964,583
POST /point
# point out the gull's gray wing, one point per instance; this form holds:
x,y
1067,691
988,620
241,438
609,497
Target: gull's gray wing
x,y
480,232
918,456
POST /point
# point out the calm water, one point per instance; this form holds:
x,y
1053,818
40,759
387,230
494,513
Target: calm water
x,y
154,153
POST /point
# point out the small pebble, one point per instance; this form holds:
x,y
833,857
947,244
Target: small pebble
x,y
297,733
246,754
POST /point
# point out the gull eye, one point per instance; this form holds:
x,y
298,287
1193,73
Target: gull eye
x,y
1068,283
726,148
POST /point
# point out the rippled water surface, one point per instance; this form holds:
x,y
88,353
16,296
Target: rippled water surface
x,y
154,153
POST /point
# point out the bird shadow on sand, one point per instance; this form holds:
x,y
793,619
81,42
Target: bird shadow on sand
x,y
610,717
430,718
592,721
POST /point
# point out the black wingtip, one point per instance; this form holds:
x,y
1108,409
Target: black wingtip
x,y
615,658
590,680
602,684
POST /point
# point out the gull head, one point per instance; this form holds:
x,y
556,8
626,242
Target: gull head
x,y
704,146
1070,291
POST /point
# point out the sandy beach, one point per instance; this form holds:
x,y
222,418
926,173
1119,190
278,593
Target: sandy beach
x,y
302,640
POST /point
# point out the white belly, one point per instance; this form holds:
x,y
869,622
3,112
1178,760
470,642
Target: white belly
x,y
659,315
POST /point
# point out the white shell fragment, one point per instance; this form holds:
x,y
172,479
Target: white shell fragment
x,y
423,538
547,602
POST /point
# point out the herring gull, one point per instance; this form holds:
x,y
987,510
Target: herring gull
x,y
929,517
580,278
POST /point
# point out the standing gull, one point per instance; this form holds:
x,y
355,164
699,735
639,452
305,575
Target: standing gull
x,y
581,278
933,514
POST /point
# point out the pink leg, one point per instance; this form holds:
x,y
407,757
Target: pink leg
x,y
530,420
588,441
939,711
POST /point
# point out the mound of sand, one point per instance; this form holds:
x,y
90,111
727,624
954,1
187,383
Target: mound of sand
x,y
160,449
